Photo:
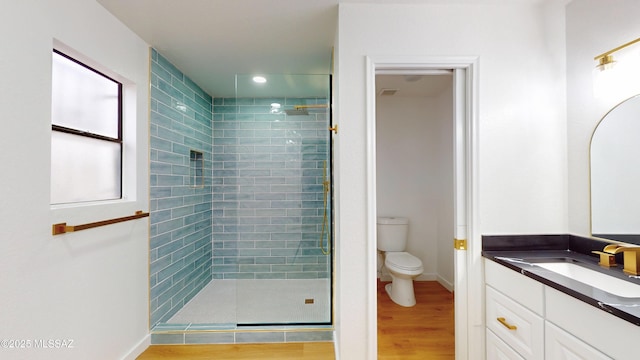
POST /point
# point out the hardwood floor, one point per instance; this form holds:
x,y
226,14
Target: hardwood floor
x,y
424,331
306,351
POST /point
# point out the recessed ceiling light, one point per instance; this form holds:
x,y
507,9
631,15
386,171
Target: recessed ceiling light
x,y
259,79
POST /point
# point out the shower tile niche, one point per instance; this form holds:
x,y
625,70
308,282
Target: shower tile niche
x,y
196,168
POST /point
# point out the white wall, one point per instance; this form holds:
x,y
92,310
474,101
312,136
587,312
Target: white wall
x,y
522,126
91,286
415,175
593,27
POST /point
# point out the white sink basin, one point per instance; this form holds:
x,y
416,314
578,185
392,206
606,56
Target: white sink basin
x,y
593,278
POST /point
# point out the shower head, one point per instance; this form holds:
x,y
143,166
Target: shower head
x,y
296,112
302,109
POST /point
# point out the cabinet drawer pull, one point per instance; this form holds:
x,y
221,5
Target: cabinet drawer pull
x,y
506,324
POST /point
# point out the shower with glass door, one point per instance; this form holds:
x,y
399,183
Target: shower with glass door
x,y
272,244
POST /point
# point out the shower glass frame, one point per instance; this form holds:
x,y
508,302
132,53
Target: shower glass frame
x,y
272,183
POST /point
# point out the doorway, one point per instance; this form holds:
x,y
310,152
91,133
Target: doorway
x,y
467,277
414,166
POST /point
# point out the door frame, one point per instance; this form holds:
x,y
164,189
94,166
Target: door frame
x,y
469,314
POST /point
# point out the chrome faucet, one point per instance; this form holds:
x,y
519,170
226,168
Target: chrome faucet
x,y
630,257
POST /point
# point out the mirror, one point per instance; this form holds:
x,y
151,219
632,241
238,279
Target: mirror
x,y
615,174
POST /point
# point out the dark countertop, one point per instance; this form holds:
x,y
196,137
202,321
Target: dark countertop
x,y
520,253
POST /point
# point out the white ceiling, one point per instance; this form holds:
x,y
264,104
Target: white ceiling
x,y
213,40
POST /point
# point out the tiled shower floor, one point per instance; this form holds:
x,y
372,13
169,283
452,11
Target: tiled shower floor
x,y
258,302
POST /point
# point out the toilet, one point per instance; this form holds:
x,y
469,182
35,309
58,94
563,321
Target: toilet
x,y
403,267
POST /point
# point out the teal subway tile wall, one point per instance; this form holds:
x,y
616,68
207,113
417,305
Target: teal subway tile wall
x,y
236,189
267,189
180,203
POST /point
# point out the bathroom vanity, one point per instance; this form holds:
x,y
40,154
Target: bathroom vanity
x,y
547,298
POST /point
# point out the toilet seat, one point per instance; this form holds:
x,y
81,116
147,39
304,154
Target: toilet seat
x,y
403,261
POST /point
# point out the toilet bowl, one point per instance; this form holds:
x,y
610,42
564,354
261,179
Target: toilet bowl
x,y
402,266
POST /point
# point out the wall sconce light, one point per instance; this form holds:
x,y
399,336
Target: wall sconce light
x,y
615,79
605,59
605,62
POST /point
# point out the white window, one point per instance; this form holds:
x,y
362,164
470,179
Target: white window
x,y
86,137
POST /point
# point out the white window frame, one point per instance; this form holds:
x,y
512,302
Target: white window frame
x,y
90,135
128,199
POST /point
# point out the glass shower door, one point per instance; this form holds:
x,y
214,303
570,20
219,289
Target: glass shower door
x,y
274,178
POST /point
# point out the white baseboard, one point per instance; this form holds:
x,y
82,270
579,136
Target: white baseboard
x,y
447,284
139,348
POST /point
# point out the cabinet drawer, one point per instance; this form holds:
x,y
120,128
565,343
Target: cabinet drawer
x,y
498,350
526,334
524,290
610,335
560,345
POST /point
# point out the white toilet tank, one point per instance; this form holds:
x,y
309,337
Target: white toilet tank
x,y
392,233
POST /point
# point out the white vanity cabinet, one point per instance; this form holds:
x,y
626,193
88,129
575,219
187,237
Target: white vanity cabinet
x,y
514,305
560,345
608,334
499,350
526,319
